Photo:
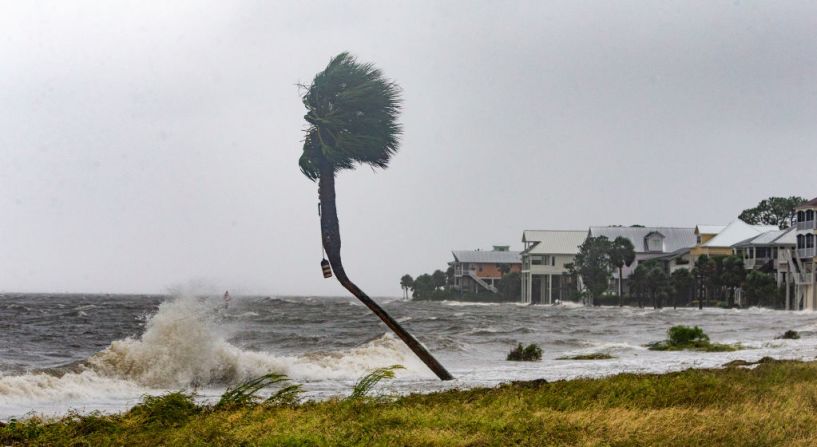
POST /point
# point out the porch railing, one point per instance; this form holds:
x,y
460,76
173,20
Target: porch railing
x,y
810,252
806,225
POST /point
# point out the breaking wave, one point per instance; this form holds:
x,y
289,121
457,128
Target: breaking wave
x,y
184,347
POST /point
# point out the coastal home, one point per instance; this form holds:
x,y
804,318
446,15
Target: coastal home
x,y
659,243
480,270
721,243
761,252
804,263
544,279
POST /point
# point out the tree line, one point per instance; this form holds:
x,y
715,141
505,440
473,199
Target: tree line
x,y
712,280
439,285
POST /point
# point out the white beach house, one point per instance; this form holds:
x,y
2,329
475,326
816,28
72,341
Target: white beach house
x,y
544,259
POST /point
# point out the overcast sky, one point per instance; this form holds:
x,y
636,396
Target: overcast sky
x,y
146,145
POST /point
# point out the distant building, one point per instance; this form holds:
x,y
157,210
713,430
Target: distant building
x,y
480,270
804,263
546,253
720,244
670,245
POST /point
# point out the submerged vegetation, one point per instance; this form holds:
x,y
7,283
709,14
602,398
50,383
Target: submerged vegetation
x,y
592,356
529,353
772,404
790,335
689,338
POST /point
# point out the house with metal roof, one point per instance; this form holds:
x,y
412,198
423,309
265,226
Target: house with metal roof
x,y
761,252
721,243
480,270
659,243
544,260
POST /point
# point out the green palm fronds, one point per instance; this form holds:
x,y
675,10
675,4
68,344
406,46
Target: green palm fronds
x,y
364,386
352,114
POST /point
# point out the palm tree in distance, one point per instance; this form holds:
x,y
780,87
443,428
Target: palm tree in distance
x,y
406,282
622,253
352,114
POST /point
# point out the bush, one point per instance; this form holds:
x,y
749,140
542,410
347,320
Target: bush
x,y
529,353
682,335
690,338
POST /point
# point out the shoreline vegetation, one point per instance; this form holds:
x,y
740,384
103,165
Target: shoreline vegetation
x,y
769,402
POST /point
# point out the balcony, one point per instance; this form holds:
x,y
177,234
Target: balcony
x,y
810,252
806,225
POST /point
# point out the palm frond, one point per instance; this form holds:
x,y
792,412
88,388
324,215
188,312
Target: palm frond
x,y
365,384
352,112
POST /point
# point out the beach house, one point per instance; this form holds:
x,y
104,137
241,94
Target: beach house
x,y
804,261
651,243
714,240
478,271
544,264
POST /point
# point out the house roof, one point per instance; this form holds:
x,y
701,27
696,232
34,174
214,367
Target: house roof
x,y
738,231
810,204
709,229
556,242
487,256
775,237
674,238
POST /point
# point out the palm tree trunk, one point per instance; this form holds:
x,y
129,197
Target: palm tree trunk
x,y
330,232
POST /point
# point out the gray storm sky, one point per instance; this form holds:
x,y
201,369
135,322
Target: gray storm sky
x,y
146,145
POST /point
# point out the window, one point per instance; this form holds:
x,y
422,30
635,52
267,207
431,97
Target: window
x,y
801,216
809,215
801,241
809,241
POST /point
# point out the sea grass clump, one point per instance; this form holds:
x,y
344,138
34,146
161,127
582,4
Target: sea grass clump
x,y
592,356
790,335
688,338
529,353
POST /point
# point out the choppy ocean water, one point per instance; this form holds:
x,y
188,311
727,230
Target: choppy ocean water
x,y
103,352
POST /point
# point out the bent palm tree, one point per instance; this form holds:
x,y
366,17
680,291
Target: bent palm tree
x,y
352,114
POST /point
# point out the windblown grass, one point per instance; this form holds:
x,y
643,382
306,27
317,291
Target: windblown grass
x,y
775,403
364,386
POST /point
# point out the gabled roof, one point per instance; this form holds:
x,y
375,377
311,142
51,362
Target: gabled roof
x,y
709,229
487,256
738,231
771,238
810,204
674,238
555,242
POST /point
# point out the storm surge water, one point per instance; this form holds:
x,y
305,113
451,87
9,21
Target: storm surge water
x,y
61,352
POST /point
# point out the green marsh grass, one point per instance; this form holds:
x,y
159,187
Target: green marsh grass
x,y
772,404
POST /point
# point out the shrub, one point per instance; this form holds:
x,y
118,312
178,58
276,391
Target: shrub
x,y
691,338
529,353
683,335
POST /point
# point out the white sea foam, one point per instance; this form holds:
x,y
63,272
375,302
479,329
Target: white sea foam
x,y
183,348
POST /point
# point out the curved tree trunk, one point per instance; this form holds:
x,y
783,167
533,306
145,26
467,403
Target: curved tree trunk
x,y
330,232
